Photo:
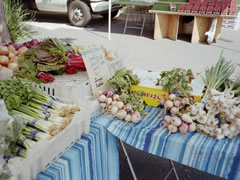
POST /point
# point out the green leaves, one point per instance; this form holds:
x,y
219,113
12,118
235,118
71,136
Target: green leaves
x,y
15,92
122,81
216,76
176,81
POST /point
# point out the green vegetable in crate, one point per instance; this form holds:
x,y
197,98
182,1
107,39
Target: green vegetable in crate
x,y
176,81
122,81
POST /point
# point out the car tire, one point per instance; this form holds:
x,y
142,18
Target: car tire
x,y
79,13
113,14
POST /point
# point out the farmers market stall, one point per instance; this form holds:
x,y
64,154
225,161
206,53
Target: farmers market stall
x,y
192,119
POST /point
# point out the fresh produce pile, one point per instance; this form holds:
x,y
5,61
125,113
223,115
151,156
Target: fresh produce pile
x,y
34,60
50,56
42,116
176,118
120,101
218,115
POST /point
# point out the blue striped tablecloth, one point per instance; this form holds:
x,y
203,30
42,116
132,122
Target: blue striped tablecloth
x,y
94,156
218,157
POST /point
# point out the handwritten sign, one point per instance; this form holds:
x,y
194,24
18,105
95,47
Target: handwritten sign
x,y
97,68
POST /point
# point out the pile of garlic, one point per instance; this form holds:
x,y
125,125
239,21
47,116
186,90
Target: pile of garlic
x,y
219,117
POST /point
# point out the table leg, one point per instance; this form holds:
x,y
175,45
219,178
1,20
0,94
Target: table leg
x,y
166,26
128,160
200,26
218,28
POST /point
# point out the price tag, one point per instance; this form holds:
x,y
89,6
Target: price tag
x,y
97,68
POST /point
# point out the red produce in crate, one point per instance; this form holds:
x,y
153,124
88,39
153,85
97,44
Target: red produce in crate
x,y
45,77
191,2
211,3
75,61
209,10
188,8
204,3
202,9
197,2
195,8
224,10
217,10
181,8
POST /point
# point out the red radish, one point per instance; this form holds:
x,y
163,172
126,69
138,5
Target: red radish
x,y
172,97
172,129
114,110
174,110
103,105
121,114
168,104
177,103
116,97
109,101
163,101
128,118
119,104
168,119
185,101
183,128
102,98
176,121
192,127
128,107
136,116
110,93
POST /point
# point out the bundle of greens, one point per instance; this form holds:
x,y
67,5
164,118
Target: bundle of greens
x,y
121,83
217,75
49,56
123,80
176,81
42,116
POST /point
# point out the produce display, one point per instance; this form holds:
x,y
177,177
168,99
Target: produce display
x,y
35,60
40,117
176,118
218,115
120,101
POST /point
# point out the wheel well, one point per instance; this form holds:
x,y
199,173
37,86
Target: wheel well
x,y
85,1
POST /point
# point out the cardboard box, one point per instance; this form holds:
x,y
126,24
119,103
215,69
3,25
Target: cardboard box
x,y
153,94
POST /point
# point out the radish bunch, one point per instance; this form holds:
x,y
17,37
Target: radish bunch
x,y
183,123
112,104
176,119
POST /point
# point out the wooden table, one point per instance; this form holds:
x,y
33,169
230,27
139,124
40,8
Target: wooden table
x,y
168,25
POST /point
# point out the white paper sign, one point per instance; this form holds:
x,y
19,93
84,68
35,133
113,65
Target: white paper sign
x,y
97,68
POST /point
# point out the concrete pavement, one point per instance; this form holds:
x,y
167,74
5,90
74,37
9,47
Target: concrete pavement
x,y
142,52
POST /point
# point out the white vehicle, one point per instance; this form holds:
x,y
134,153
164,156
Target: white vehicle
x,y
79,11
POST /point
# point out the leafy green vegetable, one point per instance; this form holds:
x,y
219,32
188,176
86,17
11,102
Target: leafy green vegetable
x,y
15,92
47,57
123,80
217,75
176,81
47,68
136,100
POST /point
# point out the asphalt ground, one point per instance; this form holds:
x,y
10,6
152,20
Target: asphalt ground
x,y
145,53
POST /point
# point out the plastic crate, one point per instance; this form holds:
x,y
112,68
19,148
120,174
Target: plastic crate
x,y
75,87
41,156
